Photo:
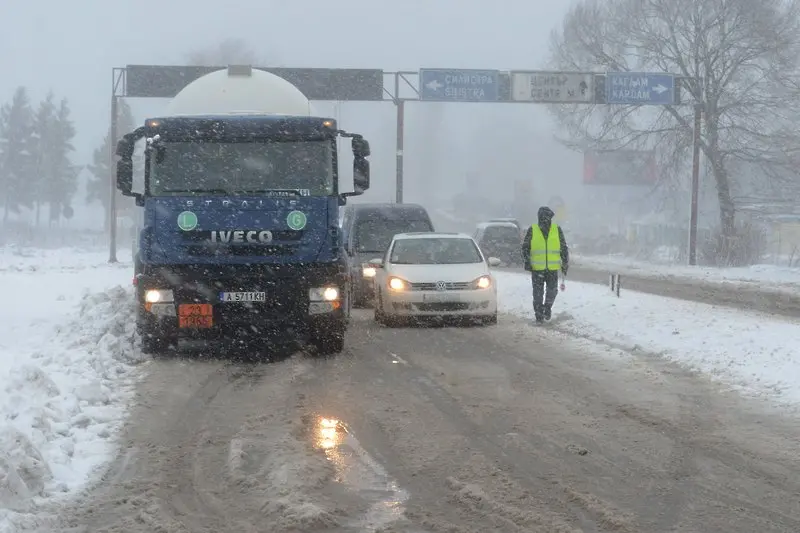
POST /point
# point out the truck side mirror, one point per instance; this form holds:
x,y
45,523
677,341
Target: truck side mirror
x,y
360,174
360,147
125,166
125,177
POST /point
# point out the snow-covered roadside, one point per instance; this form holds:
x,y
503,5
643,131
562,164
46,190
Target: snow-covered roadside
x,y
765,277
66,372
754,353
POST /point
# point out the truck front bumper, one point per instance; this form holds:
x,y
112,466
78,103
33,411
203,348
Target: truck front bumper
x,y
299,301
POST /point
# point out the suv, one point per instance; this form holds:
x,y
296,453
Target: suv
x,y
501,240
367,230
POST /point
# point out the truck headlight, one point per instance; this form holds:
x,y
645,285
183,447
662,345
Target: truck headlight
x,y
153,296
368,271
323,294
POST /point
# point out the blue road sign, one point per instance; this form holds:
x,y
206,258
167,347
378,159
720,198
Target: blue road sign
x,y
452,85
640,88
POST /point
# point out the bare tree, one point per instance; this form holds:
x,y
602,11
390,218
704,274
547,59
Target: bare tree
x,y
228,52
741,57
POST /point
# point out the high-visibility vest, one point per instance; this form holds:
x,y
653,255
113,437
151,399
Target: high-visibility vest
x,y
545,253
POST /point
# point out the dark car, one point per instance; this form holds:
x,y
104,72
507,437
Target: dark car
x,y
509,220
367,231
501,240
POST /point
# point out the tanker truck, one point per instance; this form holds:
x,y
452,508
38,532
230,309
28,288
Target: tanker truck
x,y
240,205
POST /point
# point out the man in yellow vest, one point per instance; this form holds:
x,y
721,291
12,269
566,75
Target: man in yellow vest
x,y
545,252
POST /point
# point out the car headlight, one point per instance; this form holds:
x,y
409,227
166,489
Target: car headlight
x,y
397,284
323,294
368,271
153,296
483,282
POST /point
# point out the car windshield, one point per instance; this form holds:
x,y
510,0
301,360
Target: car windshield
x,y
374,234
240,168
435,251
501,234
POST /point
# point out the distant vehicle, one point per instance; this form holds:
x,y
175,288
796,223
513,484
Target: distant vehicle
x,y
441,275
509,220
367,231
501,240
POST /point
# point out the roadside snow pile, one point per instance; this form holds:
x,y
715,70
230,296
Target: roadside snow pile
x,y
767,277
62,401
25,259
751,352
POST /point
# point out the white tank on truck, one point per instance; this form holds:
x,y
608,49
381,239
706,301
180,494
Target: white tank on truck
x,y
240,90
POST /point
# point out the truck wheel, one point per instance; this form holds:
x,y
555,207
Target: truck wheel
x,y
328,341
154,345
154,340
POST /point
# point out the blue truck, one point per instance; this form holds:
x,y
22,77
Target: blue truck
x,y
239,233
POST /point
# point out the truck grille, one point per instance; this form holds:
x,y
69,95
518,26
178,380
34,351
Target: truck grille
x,y
240,250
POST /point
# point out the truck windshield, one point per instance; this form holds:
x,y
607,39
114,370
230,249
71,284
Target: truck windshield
x,y
242,168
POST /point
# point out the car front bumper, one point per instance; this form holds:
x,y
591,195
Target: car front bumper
x,y
480,302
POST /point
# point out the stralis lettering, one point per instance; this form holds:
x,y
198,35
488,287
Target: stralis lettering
x,y
251,236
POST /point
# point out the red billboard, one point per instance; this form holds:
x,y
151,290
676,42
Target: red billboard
x,y
619,167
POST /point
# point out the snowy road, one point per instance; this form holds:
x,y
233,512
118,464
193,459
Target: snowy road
x,y
507,428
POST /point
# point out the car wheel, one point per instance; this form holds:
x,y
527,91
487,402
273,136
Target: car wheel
x,y
490,320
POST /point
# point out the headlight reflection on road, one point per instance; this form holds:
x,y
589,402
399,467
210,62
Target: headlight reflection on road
x,y
330,433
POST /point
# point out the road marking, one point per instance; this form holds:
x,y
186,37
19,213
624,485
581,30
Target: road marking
x,y
235,453
397,359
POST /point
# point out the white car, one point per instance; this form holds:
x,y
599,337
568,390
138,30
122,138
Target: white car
x,y
434,275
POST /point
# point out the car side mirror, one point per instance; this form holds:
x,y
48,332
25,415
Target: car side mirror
x,y
376,263
494,262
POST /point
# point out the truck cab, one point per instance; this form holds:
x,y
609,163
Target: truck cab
x,y
240,203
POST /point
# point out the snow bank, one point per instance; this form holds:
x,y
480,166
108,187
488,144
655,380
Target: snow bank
x,y
753,353
768,277
33,260
66,371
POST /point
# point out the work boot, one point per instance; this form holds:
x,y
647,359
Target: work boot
x,y
548,312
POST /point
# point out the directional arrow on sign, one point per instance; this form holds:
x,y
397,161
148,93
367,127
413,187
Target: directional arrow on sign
x,y
435,85
660,89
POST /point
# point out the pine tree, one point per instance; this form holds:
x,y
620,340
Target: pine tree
x,y
16,160
43,146
61,175
102,175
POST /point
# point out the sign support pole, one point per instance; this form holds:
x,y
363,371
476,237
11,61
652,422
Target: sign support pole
x,y
698,113
401,106
112,182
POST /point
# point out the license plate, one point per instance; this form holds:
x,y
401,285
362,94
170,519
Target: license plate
x,y
195,315
439,298
243,297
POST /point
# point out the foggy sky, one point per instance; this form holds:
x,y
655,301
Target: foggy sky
x,y
71,47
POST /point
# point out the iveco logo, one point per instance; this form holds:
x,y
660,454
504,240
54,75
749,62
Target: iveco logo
x,y
251,236
441,286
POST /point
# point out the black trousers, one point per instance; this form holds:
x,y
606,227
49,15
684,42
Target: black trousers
x,y
545,290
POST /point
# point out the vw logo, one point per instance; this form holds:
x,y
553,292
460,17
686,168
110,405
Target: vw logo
x,y
441,286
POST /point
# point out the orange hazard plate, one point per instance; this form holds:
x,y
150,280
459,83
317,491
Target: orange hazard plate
x,y
195,315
